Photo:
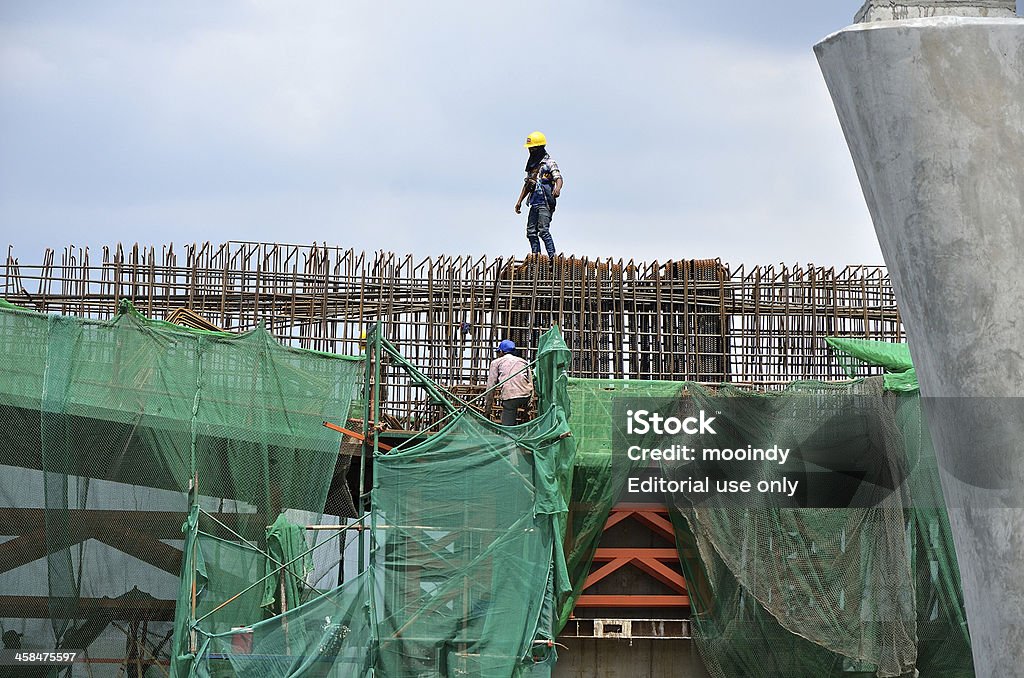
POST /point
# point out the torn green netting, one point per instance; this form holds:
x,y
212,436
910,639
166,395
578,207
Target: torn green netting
x,y
465,572
852,354
286,543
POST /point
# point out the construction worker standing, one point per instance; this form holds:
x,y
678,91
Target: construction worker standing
x,y
513,373
543,186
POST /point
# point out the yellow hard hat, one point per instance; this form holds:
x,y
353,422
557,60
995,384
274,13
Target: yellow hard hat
x,y
535,139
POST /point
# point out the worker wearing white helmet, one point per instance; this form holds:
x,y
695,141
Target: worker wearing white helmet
x,y
543,185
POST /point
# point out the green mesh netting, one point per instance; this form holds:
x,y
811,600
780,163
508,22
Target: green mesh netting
x,y
105,426
844,590
465,572
798,592
597,482
852,354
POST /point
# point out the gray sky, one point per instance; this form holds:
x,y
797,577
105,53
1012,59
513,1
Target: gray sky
x,y
682,131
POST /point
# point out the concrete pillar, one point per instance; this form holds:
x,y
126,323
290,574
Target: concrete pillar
x,y
892,10
933,112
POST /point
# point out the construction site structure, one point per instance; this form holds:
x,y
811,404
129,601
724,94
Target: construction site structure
x,y
479,543
679,320
695,320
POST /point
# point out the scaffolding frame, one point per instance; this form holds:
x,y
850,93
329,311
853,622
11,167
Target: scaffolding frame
x,y
694,320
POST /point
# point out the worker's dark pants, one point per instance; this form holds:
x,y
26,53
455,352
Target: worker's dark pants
x,y
538,227
510,407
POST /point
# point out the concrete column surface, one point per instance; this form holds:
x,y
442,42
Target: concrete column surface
x,y
933,112
891,10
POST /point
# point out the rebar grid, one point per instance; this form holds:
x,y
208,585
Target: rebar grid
x,y
692,320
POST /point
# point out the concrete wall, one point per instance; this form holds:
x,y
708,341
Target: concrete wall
x,y
643,658
933,112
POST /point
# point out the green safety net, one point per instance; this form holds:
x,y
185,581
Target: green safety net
x,y
286,551
599,478
105,428
465,573
852,354
482,536
872,591
798,592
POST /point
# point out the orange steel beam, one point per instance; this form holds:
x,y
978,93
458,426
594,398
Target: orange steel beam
x,y
616,517
648,514
593,600
666,575
143,546
657,524
603,555
639,506
652,561
34,545
22,550
605,570
646,563
38,607
353,434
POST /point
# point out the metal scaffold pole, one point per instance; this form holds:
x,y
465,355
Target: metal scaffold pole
x,y
369,401
193,498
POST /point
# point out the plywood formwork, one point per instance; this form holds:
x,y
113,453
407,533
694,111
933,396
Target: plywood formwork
x,y
698,320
